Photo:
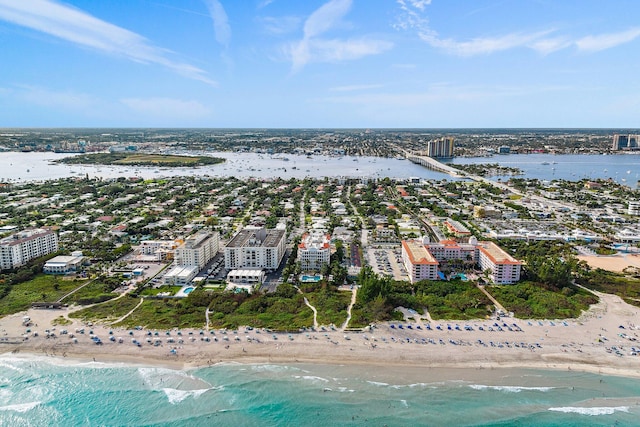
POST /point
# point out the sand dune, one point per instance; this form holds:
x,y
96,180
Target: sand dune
x,y
589,343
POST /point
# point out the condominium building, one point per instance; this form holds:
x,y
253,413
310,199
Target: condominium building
x,y
502,268
20,248
634,208
441,147
314,250
419,262
255,248
198,250
625,142
422,260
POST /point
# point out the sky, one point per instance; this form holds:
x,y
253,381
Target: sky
x,y
320,64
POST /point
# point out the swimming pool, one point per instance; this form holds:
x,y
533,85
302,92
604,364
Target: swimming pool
x,y
187,291
310,279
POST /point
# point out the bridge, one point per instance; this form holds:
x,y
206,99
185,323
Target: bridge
x,y
433,164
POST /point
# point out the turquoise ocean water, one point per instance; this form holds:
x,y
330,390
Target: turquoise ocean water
x,y
39,391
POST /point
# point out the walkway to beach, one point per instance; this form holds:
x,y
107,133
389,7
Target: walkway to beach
x,y
129,313
315,312
493,300
354,293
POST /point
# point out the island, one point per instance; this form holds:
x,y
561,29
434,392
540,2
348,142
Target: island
x,y
141,159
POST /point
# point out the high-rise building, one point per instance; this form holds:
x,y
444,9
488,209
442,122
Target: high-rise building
x,y
18,249
198,250
441,147
255,248
625,142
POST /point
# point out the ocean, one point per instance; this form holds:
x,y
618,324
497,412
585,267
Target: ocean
x,y
42,391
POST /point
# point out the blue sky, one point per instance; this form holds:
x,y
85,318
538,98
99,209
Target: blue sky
x,y
307,63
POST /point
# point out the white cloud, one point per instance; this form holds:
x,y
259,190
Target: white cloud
x,y
264,3
167,108
65,100
420,4
220,22
547,46
412,17
352,88
280,25
325,17
607,41
483,45
76,26
312,48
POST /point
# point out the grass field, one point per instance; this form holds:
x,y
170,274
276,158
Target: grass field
x,y
41,288
108,311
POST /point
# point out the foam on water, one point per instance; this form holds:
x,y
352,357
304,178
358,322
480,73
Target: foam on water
x,y
311,378
176,396
602,410
20,407
509,389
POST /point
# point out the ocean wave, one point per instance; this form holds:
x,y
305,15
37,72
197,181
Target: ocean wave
x,y
271,368
593,411
311,378
176,396
20,407
378,383
508,388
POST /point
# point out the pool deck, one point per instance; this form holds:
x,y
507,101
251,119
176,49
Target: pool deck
x,y
182,292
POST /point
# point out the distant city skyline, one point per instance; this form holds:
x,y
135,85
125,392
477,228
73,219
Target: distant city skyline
x,y
320,64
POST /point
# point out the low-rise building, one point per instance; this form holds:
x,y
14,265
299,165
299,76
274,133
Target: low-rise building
x,y
314,250
64,264
422,259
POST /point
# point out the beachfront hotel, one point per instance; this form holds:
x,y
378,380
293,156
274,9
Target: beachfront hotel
x,y
19,248
255,248
422,259
314,250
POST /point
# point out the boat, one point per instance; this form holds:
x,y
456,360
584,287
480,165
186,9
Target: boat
x,y
545,163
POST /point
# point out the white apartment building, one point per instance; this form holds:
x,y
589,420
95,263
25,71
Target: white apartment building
x,y
158,250
198,250
421,260
20,248
255,248
634,208
314,250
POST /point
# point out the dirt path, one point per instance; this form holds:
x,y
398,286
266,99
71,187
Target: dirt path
x,y
354,292
129,313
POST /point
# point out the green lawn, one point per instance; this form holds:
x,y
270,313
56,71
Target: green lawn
x,y
94,292
41,288
107,311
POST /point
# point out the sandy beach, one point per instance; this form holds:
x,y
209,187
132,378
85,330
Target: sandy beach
x,y
600,341
615,263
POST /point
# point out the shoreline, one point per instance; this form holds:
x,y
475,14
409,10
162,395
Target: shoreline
x,y
588,344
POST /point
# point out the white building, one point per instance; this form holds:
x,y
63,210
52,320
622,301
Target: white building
x,y
634,208
158,250
20,248
255,248
64,264
180,276
198,250
314,250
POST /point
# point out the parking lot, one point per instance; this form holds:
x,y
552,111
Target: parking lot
x,y
387,262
